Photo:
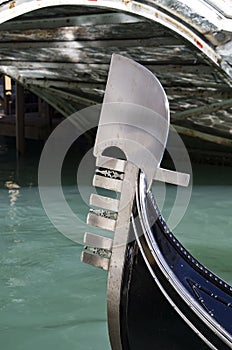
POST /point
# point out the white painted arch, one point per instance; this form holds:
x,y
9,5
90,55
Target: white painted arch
x,y
195,22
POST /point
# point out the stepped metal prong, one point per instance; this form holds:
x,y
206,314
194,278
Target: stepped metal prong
x,y
93,240
101,222
107,183
95,260
110,176
104,202
172,177
111,163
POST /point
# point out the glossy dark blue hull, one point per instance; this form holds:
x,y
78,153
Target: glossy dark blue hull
x,y
168,299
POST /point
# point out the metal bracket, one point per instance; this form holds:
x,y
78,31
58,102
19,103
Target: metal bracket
x,y
172,177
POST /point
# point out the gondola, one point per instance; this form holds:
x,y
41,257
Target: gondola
x,y
168,299
159,295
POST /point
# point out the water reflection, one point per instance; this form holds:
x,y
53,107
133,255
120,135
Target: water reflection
x,y
13,192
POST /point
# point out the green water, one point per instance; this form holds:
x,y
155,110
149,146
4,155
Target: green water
x,y
48,298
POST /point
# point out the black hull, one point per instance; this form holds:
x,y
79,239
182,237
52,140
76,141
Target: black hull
x,y
147,318
168,299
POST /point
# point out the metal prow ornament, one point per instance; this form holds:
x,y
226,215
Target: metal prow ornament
x,y
135,119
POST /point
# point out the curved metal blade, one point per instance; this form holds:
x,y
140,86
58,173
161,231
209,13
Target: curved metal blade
x,y
134,115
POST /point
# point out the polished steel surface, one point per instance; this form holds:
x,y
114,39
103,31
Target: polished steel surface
x,y
172,177
97,241
116,267
104,202
95,260
115,261
134,115
102,222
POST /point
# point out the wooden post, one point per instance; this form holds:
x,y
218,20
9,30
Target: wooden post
x,y
46,113
6,94
40,106
19,125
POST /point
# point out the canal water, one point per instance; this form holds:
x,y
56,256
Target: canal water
x,y
48,298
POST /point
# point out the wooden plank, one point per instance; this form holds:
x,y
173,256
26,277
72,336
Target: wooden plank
x,y
6,98
71,97
159,68
137,28
95,80
125,31
218,92
180,81
70,42
58,103
174,93
63,11
72,85
177,83
209,108
69,21
93,55
203,136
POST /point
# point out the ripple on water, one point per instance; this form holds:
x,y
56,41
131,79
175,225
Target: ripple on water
x,y
49,300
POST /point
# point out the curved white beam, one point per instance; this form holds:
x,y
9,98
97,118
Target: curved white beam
x,y
196,22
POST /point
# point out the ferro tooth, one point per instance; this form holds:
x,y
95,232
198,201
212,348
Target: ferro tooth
x,y
104,202
101,222
112,174
97,241
104,213
111,163
95,260
107,183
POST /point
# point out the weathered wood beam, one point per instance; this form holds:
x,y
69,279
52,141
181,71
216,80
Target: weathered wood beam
x,y
69,21
220,93
197,68
203,136
72,85
168,74
127,31
97,73
161,55
202,69
209,108
70,42
177,86
58,103
75,98
96,89
223,92
53,65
